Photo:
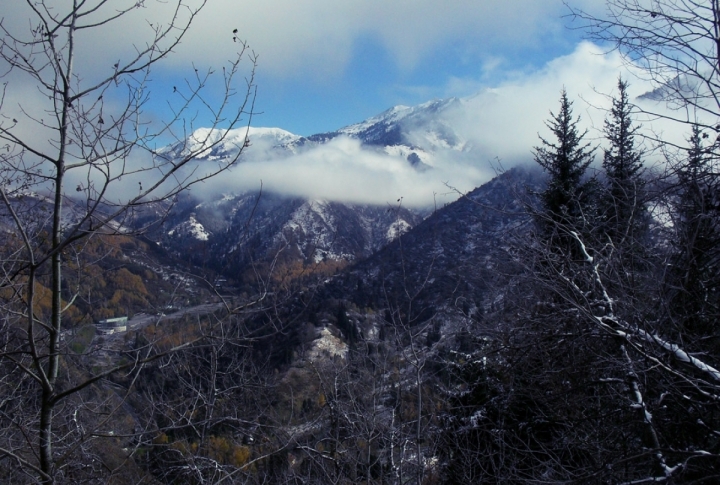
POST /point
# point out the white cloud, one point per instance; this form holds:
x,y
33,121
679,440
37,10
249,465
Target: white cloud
x,y
344,170
506,120
316,38
503,123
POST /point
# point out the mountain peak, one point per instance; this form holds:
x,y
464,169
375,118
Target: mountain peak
x,y
212,143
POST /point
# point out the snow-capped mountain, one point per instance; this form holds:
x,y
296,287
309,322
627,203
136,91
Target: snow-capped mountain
x,y
229,229
214,144
412,133
424,126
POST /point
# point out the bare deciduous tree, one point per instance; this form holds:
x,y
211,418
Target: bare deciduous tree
x,y
79,157
674,43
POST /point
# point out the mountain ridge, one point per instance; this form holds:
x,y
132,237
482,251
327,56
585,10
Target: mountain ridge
x,y
312,229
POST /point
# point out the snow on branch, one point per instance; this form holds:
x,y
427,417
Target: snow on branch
x,y
626,330
680,354
588,258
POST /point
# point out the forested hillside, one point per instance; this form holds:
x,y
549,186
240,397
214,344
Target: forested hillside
x,y
556,324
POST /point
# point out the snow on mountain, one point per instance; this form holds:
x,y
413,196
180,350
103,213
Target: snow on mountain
x,y
323,230
229,224
313,228
277,135
393,115
231,231
397,229
400,115
413,155
191,227
215,144
427,126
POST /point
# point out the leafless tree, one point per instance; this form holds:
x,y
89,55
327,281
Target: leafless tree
x,y
674,42
596,376
595,383
79,158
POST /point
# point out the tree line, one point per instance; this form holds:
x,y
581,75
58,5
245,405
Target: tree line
x,y
607,370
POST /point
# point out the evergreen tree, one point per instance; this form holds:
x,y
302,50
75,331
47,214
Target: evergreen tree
x,y
566,161
346,326
695,286
624,211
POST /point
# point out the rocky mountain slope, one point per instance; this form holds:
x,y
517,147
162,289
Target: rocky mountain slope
x,y
228,230
231,232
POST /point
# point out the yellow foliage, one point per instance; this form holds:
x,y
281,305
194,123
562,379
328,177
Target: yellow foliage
x,y
241,455
226,452
219,446
181,446
125,280
296,270
161,439
42,303
102,313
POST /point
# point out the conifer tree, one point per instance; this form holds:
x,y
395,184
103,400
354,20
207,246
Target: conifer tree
x,y
624,211
695,287
566,161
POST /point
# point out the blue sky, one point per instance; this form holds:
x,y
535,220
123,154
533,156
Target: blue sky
x,y
326,64
372,82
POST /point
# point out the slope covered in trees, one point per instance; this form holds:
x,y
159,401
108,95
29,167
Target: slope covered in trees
x,y
544,328
596,378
